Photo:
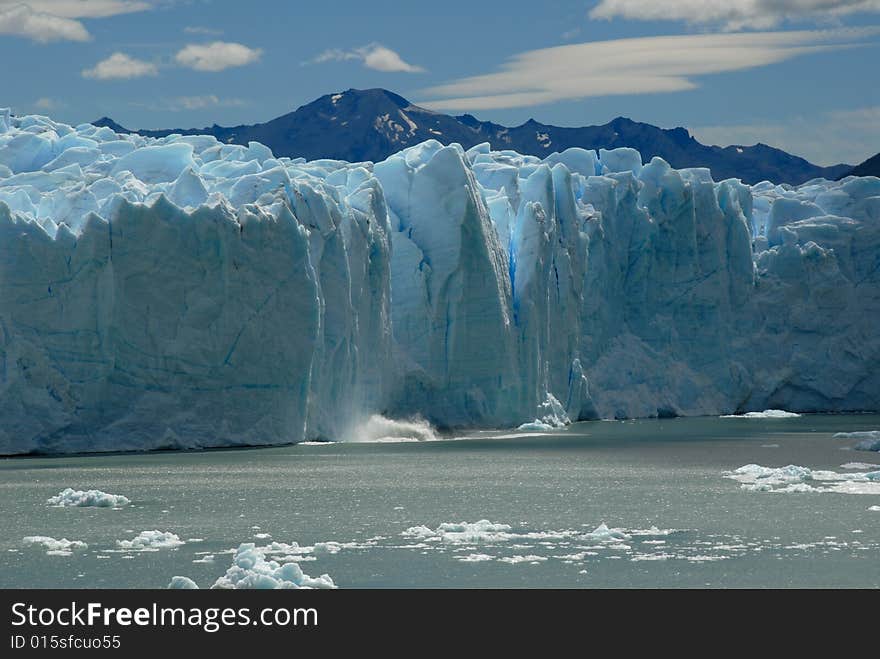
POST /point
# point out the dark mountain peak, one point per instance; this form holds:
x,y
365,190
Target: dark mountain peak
x,y
622,122
469,120
871,167
107,122
371,124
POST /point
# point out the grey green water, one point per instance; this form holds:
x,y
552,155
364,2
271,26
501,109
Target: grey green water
x,y
553,489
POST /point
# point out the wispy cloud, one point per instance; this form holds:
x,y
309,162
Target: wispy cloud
x,y
120,66
47,104
202,102
829,138
217,56
81,8
198,29
733,14
631,66
188,103
23,21
374,56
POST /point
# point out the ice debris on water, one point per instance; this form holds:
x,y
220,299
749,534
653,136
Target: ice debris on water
x,y
68,497
151,541
61,547
252,569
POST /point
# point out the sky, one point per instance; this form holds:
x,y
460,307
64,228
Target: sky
x,y
798,74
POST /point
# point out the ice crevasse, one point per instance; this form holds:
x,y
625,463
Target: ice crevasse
x,y
182,292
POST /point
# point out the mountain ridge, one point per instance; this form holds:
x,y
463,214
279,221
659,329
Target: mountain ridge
x,y
357,125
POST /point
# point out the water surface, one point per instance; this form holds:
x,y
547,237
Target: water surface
x,y
659,482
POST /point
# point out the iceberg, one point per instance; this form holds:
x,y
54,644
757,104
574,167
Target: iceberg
x,y
251,569
68,497
151,541
53,547
185,293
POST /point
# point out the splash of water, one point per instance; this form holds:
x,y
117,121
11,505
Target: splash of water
x,y
381,429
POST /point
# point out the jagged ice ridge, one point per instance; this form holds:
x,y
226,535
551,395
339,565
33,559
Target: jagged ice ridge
x,y
181,292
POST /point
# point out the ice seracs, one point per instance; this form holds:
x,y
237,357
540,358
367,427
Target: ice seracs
x,y
184,293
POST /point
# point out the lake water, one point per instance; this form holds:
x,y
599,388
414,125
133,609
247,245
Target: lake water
x,y
679,522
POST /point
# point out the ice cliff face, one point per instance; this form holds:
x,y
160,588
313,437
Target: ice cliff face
x,y
184,292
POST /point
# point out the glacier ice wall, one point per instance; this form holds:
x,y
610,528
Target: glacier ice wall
x,y
182,292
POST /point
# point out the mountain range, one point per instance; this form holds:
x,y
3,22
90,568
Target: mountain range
x,y
372,124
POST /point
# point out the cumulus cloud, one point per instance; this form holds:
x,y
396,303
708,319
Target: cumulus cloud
x,y
217,56
120,66
374,56
24,21
631,66
848,136
81,8
733,14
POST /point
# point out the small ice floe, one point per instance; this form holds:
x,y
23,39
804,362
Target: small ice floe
x,y
68,497
794,478
766,414
61,547
151,541
475,558
604,534
535,425
867,440
482,531
533,559
860,466
182,583
252,569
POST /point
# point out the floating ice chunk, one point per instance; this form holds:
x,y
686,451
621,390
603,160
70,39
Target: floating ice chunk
x,y
62,547
517,559
182,583
251,570
766,414
151,541
869,466
68,497
604,534
793,478
475,558
535,425
868,440
482,531
875,509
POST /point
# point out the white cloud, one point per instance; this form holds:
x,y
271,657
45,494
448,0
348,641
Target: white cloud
x,y
23,21
217,56
631,66
830,138
120,66
198,29
47,104
202,102
81,8
374,56
733,14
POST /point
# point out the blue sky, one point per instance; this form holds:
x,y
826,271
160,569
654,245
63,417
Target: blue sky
x,y
799,74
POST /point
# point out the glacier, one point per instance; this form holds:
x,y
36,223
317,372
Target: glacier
x,y
184,293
